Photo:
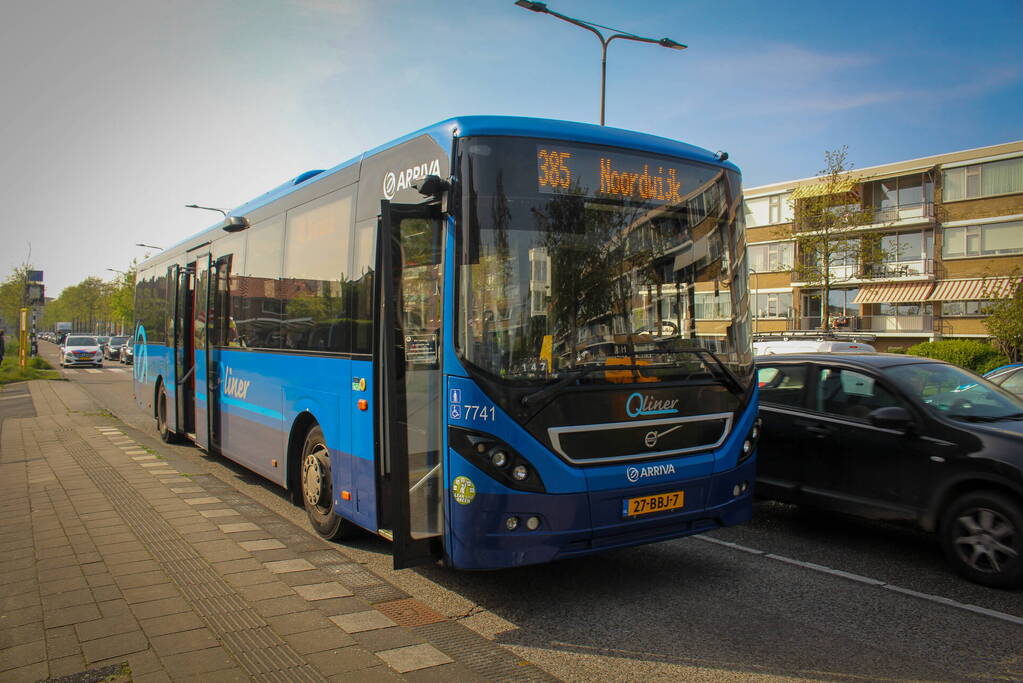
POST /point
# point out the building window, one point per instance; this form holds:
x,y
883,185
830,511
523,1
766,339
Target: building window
x,y
903,197
983,180
965,309
773,305
709,306
774,209
771,258
992,239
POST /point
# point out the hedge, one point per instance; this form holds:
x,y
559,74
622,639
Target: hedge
x,y
968,353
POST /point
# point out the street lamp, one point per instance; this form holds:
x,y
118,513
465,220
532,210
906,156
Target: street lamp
x,y
115,270
148,246
206,208
542,8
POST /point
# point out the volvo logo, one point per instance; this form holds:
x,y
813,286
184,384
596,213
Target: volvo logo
x,y
651,439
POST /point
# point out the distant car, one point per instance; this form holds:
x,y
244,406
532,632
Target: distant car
x,y
771,347
112,349
897,437
80,350
127,354
1008,377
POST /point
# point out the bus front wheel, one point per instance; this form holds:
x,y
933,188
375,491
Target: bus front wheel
x,y
318,489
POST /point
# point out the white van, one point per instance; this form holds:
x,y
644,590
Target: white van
x,y
777,346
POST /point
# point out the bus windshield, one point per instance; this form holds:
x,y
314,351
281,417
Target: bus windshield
x,y
575,256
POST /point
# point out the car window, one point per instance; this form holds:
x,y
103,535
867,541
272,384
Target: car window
x,y
782,384
1014,383
850,394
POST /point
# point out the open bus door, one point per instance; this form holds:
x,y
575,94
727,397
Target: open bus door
x,y
409,401
183,374
202,379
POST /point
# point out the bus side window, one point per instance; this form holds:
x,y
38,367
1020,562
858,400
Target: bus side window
x,y
317,250
362,286
258,317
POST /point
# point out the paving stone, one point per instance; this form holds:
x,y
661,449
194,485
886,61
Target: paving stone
x,y
150,593
65,666
249,564
201,501
26,674
81,596
159,608
241,526
414,657
30,615
99,580
171,623
102,628
386,638
323,591
286,566
115,646
266,591
375,674
264,544
187,489
22,655
288,604
113,608
184,641
192,664
105,593
216,514
20,635
357,622
445,673
142,579
319,640
342,660
71,615
249,578
298,622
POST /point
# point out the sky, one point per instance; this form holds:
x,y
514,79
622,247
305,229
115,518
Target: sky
x,y
116,114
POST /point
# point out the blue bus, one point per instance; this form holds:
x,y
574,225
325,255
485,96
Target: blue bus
x,y
495,342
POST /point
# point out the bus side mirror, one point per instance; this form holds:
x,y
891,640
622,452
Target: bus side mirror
x,y
432,186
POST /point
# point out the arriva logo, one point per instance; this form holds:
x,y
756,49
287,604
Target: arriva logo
x,y
234,386
638,404
634,474
393,184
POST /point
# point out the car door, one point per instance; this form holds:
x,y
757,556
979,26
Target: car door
x,y
782,399
851,465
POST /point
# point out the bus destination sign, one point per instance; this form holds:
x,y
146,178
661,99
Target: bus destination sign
x,y
606,174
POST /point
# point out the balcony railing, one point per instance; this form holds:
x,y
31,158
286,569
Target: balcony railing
x,y
891,214
869,323
899,269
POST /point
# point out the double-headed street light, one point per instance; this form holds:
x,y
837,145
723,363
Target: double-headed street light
x,y
542,8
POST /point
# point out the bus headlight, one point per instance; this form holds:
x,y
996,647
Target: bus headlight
x,y
533,523
520,473
749,444
495,457
498,458
511,524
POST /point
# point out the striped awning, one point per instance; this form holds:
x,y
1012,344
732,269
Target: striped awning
x,y
976,289
820,189
894,293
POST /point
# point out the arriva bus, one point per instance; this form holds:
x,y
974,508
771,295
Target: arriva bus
x,y
495,342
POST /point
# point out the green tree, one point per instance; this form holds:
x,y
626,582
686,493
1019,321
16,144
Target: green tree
x,y
12,293
88,303
1005,323
122,296
827,218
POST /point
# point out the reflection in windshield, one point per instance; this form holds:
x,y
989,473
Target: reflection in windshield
x,y
953,392
554,278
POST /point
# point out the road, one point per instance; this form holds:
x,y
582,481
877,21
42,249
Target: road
x,y
795,595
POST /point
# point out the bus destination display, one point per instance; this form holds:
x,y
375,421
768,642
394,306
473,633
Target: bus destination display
x,y
612,175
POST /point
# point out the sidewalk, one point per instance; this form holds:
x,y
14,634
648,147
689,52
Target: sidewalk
x,y
115,563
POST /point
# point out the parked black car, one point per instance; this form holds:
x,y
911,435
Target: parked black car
x,y
112,349
898,437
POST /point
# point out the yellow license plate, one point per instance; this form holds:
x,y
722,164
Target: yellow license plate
x,y
673,500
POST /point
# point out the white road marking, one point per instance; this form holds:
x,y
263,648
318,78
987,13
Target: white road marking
x,y
115,369
95,371
948,602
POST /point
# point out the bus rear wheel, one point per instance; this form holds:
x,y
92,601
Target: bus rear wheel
x,y
166,434
318,489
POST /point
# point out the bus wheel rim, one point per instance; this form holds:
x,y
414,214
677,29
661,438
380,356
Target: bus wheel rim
x,y
313,477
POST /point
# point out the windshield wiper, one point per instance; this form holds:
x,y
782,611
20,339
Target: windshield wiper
x,y
988,418
574,374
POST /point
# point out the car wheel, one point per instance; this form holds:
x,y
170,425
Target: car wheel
x,y
168,435
318,489
982,537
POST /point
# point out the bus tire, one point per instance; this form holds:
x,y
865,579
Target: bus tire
x,y
317,488
166,433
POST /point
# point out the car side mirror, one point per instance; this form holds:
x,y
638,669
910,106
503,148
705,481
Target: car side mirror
x,y
892,417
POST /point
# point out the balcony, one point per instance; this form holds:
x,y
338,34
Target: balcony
x,y
874,324
906,212
896,270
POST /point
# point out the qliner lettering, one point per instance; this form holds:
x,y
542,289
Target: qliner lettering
x,y
662,186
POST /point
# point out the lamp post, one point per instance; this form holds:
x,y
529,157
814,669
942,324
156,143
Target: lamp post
x,y
115,270
148,246
206,208
542,8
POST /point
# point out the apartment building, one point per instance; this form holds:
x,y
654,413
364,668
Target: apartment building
x,y
951,236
